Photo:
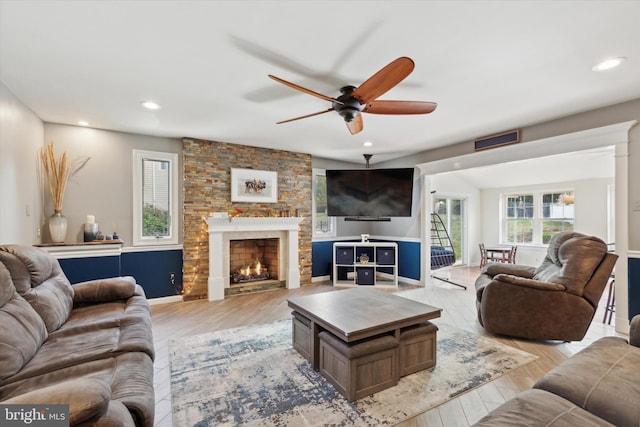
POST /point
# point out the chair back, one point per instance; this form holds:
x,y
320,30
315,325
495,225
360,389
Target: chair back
x,y
572,259
483,255
595,287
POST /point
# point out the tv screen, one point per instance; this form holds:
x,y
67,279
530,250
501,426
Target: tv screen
x,y
369,192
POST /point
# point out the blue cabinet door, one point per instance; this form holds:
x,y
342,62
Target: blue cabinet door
x,y
158,272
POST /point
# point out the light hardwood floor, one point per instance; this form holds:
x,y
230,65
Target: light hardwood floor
x,y
174,320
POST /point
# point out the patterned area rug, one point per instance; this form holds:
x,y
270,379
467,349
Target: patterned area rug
x,y
252,376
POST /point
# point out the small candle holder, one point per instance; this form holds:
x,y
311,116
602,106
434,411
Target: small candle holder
x,y
90,232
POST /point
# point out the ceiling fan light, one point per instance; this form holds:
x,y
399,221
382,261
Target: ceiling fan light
x,y
609,64
368,143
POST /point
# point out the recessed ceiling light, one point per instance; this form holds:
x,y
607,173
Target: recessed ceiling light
x,y
83,123
609,64
150,105
368,143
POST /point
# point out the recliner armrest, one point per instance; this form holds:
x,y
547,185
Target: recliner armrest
x,y
634,331
529,283
525,271
87,398
101,290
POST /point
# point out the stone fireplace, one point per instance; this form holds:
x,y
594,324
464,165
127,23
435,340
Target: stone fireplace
x,y
224,231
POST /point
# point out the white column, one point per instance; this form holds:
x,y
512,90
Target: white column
x,y
293,271
216,258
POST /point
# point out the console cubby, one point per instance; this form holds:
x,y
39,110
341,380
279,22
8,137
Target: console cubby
x,y
365,264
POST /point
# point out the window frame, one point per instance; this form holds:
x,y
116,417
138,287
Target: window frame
x,y
331,219
138,208
537,220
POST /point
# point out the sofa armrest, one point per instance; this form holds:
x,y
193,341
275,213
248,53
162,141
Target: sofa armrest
x,y
101,290
529,283
525,271
87,398
634,331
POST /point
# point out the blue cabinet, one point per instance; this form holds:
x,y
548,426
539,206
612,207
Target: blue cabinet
x,y
157,270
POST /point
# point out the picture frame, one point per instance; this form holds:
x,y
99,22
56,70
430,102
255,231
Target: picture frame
x,y
251,185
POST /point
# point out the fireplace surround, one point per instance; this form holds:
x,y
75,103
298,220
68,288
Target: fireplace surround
x,y
223,230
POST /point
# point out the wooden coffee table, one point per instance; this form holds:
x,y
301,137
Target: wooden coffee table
x,y
358,313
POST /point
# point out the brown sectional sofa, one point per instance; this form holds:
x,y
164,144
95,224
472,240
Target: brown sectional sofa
x,y
89,345
598,386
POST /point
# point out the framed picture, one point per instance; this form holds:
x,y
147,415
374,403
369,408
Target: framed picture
x,y
250,185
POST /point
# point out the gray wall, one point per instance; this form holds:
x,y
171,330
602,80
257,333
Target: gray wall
x,y
104,187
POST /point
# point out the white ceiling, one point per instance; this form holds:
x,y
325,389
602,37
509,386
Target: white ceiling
x,y
490,66
594,163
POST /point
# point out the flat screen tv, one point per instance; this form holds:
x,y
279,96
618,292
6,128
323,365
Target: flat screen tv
x,y
369,193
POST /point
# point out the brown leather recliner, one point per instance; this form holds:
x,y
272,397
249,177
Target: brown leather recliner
x,y
555,301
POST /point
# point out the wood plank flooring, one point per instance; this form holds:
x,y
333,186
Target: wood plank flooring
x,y
175,320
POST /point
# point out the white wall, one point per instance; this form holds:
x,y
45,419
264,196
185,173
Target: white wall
x,y
21,134
590,211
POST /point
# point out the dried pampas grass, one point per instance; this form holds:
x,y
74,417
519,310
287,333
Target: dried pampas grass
x,y
58,171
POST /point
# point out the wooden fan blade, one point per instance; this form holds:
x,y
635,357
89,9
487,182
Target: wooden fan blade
x,y
355,125
399,107
383,80
305,90
304,117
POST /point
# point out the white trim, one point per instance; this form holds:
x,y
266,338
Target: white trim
x,y
137,157
165,300
133,249
332,219
321,279
83,251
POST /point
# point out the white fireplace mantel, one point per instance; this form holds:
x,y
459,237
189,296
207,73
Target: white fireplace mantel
x,y
220,230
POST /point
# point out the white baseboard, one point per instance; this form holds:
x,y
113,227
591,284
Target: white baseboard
x,y
165,300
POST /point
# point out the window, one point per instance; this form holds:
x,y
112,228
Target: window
x,y
323,225
519,218
557,214
452,213
155,198
535,217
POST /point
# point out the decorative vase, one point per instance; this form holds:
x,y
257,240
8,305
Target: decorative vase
x,y
58,227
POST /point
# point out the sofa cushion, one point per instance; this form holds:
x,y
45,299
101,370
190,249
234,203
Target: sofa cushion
x,y
535,408
89,342
87,398
38,277
22,331
129,377
603,378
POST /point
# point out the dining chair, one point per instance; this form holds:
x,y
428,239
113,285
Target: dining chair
x,y
512,255
483,255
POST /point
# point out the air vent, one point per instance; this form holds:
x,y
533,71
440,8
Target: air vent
x,y
497,140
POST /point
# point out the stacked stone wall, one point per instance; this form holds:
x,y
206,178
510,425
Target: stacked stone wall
x,y
207,189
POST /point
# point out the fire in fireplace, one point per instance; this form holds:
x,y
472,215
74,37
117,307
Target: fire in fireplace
x,y
250,273
253,260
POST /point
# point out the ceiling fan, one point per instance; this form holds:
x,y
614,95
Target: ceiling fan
x,y
363,99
